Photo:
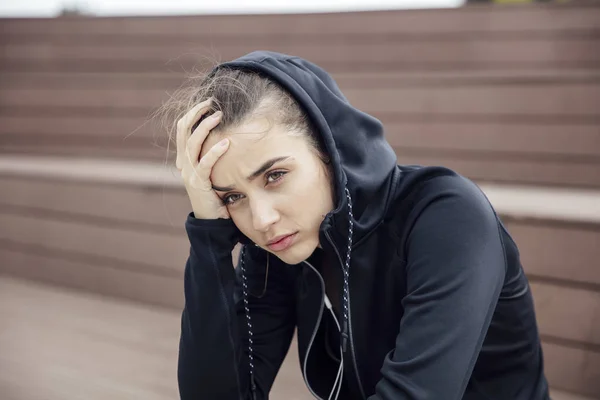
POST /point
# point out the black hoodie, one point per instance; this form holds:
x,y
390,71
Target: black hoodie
x,y
434,301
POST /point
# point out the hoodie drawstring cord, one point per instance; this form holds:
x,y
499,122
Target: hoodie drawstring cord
x,y
346,270
249,322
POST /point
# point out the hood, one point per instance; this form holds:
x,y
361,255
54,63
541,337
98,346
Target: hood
x,y
363,161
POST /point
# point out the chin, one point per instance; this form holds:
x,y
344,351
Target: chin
x,y
296,254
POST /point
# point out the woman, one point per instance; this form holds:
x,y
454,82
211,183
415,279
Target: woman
x,y
401,280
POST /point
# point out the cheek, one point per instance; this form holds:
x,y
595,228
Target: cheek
x,y
312,195
242,220
245,227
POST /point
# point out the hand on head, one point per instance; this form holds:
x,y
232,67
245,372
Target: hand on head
x,y
196,171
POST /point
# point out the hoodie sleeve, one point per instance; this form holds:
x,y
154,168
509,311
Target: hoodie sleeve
x,y
455,271
213,348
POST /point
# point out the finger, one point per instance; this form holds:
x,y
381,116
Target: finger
x,y
184,128
195,142
204,169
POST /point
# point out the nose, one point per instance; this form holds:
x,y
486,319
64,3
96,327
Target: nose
x,y
264,214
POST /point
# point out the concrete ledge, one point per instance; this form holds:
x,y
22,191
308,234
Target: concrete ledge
x,y
519,201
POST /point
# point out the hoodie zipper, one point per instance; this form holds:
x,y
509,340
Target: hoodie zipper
x,y
314,334
354,365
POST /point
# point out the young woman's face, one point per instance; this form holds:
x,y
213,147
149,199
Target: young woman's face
x,y
275,186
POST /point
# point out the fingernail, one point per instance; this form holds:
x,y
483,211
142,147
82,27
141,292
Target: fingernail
x,y
217,114
224,142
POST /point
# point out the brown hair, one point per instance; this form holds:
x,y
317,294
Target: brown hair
x,y
241,94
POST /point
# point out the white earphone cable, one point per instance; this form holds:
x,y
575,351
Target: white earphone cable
x,y
337,385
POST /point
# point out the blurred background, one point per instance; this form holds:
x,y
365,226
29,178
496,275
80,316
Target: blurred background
x,y
92,241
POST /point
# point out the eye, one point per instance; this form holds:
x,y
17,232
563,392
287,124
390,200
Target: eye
x,y
231,199
275,176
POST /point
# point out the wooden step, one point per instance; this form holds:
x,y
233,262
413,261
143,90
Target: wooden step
x,y
59,344
97,347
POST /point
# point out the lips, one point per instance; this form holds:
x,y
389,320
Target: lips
x,y
281,242
278,239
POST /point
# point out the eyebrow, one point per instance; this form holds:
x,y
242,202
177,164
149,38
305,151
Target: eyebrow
x,y
262,169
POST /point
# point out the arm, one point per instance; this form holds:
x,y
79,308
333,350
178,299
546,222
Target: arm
x,y
455,271
213,359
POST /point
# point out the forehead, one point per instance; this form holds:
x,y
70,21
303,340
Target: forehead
x,y
240,136
251,145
